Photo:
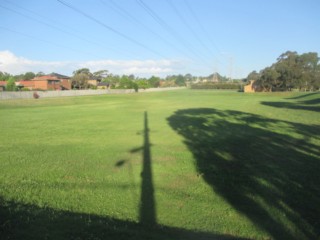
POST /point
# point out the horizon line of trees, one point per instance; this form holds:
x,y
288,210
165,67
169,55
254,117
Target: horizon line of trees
x,y
291,71
82,76
80,79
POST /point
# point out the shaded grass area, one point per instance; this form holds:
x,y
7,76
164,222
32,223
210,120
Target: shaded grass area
x,y
25,221
310,102
270,177
211,165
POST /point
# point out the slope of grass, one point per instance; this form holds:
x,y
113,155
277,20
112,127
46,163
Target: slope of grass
x,y
223,165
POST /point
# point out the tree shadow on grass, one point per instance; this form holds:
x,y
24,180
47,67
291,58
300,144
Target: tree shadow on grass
x,y
270,177
289,105
312,94
307,104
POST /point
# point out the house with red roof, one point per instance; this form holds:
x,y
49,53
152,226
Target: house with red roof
x,y
52,81
25,84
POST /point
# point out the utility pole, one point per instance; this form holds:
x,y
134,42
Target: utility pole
x,y
230,68
216,70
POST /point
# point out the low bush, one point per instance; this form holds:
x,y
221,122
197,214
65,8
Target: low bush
x,y
25,89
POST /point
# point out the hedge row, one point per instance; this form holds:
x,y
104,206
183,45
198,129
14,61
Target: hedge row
x,y
235,86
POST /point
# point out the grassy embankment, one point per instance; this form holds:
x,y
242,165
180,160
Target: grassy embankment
x,y
170,165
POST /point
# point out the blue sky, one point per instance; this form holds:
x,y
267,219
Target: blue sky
x,y
154,37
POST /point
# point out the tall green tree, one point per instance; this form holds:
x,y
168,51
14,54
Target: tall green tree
x,y
291,71
269,79
4,76
180,81
126,82
254,75
83,71
29,75
80,81
80,78
309,71
39,74
288,68
11,84
142,83
188,77
113,80
101,74
154,81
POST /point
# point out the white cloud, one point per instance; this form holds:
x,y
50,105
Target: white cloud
x,y
16,65
13,64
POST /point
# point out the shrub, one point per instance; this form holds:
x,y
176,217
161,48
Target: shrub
x,y
11,85
135,87
35,95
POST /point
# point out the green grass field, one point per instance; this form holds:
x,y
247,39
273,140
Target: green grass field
x,y
184,164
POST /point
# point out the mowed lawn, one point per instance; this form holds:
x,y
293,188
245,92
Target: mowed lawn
x,y
180,164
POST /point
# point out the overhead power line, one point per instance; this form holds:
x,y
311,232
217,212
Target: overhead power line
x,y
45,23
194,15
195,35
134,20
170,30
126,14
205,32
109,28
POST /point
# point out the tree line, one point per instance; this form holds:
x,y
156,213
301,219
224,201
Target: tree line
x,y
4,76
80,79
291,71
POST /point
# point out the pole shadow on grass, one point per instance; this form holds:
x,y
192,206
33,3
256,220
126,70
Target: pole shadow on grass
x,y
147,208
268,176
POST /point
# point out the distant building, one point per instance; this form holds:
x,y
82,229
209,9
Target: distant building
x,y
103,85
53,81
25,84
251,87
94,81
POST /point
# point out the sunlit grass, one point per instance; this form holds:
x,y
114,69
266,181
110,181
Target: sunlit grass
x,y
71,159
